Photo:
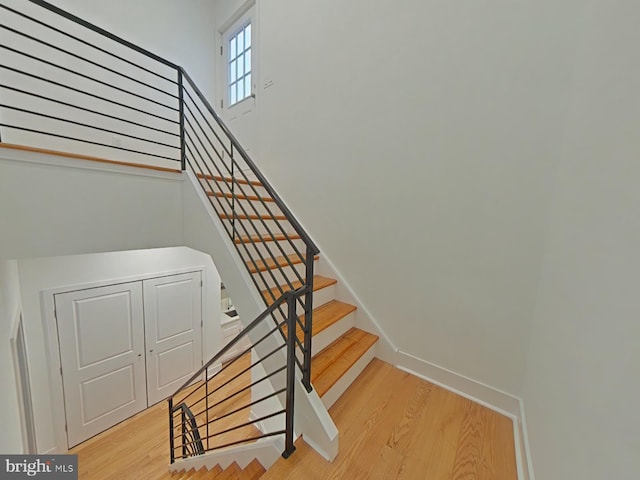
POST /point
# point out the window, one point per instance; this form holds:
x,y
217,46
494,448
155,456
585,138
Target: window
x,y
240,65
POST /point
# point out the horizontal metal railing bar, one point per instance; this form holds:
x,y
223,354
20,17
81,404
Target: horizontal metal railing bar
x,y
31,130
250,422
96,64
236,393
240,204
80,40
294,222
88,77
198,123
188,124
231,379
237,442
255,191
228,151
224,367
257,197
229,204
238,375
255,402
103,32
66,104
73,122
53,82
242,334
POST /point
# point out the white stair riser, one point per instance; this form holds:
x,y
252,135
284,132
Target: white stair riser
x,y
324,295
320,297
329,398
328,335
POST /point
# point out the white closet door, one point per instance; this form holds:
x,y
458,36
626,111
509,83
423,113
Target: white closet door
x,y
101,335
173,317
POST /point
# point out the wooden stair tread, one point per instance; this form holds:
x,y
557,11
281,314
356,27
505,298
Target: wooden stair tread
x,y
253,198
202,473
324,316
188,474
218,178
319,282
329,365
265,238
232,472
253,471
217,470
227,216
270,263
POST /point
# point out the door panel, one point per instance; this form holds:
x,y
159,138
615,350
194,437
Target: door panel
x,y
173,319
240,117
101,335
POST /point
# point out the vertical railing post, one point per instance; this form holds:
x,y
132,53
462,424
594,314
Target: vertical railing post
x,y
233,196
171,441
206,401
183,154
183,418
289,448
308,307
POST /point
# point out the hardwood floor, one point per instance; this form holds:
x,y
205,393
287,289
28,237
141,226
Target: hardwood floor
x,y
392,425
138,448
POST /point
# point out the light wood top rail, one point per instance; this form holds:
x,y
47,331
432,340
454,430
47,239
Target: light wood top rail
x,y
57,153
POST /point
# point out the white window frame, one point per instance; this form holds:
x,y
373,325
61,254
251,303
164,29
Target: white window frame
x,y
238,59
247,13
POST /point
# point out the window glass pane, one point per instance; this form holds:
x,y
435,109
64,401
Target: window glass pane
x,y
232,48
247,85
240,64
240,38
232,94
240,90
247,61
232,72
247,36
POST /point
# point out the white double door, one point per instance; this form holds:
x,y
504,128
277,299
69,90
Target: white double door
x,y
125,347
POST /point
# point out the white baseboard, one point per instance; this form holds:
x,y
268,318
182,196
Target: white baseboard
x,y
478,392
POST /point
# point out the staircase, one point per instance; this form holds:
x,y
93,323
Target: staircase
x,y
264,252
340,350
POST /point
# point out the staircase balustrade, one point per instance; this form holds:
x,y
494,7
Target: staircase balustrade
x,y
68,85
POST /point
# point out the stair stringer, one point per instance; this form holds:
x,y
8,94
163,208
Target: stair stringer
x,y
203,231
266,451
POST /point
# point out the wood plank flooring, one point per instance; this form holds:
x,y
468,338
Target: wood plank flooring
x,y
138,448
392,425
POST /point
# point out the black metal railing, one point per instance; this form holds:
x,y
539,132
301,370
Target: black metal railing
x,y
217,409
71,86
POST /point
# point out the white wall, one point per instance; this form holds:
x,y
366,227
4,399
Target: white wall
x,y
581,387
416,141
180,32
41,274
49,206
11,433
